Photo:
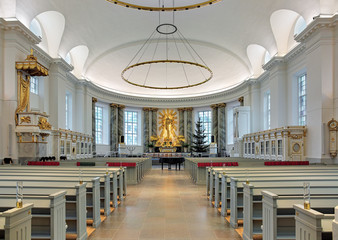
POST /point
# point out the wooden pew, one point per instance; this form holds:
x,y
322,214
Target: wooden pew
x,y
279,214
48,214
236,192
134,174
117,176
217,184
120,175
105,181
75,201
312,224
92,190
15,223
253,204
213,182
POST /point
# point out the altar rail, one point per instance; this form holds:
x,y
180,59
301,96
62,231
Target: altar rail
x,y
279,144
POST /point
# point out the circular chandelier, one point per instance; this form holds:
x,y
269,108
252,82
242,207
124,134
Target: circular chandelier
x,y
164,9
166,61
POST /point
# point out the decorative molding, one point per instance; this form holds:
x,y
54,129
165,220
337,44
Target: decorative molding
x,y
63,64
16,25
318,23
296,51
42,54
273,62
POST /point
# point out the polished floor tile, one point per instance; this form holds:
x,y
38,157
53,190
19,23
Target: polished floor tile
x,y
165,205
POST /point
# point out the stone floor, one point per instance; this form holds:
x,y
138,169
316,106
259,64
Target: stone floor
x,y
166,205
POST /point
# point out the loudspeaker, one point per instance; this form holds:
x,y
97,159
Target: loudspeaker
x,y
212,138
122,139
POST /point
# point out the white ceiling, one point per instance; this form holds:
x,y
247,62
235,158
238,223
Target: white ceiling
x,y
220,33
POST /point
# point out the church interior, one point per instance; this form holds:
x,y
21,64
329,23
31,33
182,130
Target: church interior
x,y
137,119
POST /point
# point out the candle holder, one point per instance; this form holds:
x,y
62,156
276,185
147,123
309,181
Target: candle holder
x,y
306,187
80,176
19,194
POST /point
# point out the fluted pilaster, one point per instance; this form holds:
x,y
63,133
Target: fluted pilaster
x,y
154,121
221,128
120,129
214,108
181,121
113,127
146,128
94,100
189,127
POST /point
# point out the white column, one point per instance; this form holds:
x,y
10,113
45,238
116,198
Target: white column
x,y
15,46
278,96
321,58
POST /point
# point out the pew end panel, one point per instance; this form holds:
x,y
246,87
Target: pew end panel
x,y
312,224
15,223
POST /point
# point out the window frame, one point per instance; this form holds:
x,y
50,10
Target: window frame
x,y
207,125
98,139
34,85
134,132
302,99
267,110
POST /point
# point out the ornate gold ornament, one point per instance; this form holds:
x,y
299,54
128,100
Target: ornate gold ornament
x,y
31,66
168,128
44,124
25,119
26,69
163,9
94,100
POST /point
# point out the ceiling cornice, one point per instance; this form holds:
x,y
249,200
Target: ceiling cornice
x,y
16,25
186,101
63,64
318,23
273,62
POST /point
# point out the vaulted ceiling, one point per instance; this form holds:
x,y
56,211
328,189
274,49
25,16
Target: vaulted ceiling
x,y
234,38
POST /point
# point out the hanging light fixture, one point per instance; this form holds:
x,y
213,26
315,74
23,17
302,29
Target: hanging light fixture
x,y
166,60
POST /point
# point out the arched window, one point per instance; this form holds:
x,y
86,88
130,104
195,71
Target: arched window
x,y
300,25
35,28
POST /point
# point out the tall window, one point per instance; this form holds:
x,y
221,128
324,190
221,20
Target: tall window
x,y
68,111
230,127
131,127
302,100
34,85
205,117
99,125
267,110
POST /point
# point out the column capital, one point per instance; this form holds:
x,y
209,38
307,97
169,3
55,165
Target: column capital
x,y
94,100
185,109
121,106
114,105
241,99
146,109
213,106
153,109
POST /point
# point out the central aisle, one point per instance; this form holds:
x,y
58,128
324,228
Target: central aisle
x,y
165,205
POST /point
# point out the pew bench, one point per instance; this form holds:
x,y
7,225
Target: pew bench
x,y
253,204
15,223
312,224
117,182
75,201
237,193
48,214
279,214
